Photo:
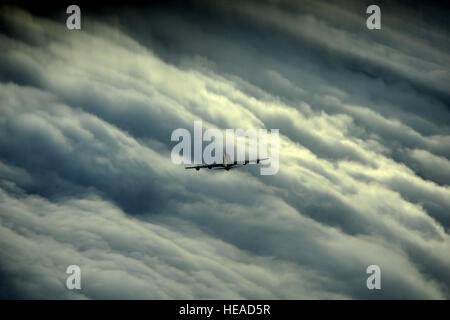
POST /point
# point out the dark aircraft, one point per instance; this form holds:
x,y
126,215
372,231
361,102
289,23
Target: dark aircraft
x,y
225,165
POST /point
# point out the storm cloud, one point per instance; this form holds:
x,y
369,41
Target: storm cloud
x,y
86,177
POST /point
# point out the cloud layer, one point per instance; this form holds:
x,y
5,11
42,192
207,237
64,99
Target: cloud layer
x,y
86,177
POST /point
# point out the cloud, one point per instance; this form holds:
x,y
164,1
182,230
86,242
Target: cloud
x,y
122,257
85,123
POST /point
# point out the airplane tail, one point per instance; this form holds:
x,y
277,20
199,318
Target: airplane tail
x,y
226,159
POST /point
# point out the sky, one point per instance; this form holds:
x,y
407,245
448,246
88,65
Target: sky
x,y
86,176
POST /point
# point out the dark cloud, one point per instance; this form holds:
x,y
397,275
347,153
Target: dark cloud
x,y
86,176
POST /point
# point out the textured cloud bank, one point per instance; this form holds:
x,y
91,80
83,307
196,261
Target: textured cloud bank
x,y
86,177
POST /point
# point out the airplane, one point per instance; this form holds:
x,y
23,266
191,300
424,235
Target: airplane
x,y
225,165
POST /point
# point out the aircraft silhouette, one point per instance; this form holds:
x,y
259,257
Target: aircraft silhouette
x,y
225,165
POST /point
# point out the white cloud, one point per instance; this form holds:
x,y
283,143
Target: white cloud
x,y
87,176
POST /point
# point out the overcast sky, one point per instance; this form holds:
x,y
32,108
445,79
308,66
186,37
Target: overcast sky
x,y
86,176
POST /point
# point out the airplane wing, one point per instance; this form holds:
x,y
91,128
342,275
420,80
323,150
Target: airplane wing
x,y
219,166
262,159
229,167
198,167
248,161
